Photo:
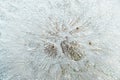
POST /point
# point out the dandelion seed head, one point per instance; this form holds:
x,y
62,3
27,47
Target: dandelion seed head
x,y
59,40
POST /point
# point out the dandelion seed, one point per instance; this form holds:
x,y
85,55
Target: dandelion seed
x,y
90,43
76,30
50,50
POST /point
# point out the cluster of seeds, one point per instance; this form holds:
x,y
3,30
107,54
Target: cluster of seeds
x,y
71,49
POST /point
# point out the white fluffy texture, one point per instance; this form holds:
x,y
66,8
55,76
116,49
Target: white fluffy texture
x,y
24,22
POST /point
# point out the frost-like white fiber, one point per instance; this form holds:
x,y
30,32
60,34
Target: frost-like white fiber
x,y
59,40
